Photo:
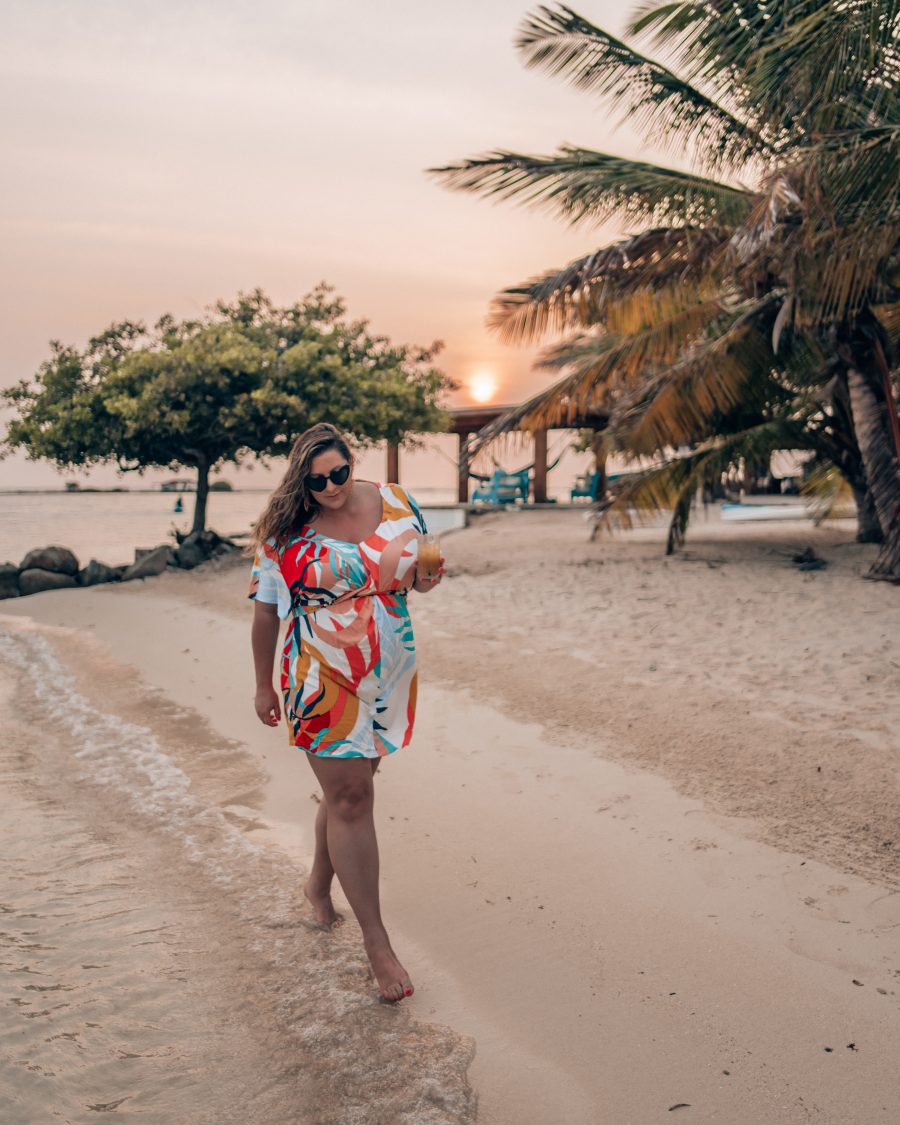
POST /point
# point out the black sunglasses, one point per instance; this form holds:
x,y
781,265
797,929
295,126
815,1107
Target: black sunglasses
x,y
316,482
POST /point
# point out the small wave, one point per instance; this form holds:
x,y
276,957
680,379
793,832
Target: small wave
x,y
128,758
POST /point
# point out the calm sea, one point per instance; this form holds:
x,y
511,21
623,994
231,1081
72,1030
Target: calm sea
x,y
109,525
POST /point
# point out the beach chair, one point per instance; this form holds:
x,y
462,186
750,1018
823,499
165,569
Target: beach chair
x,y
585,487
503,488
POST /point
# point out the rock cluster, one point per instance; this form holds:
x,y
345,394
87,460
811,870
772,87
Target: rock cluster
x,y
56,568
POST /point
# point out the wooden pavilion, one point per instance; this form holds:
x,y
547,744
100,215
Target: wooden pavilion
x,y
477,422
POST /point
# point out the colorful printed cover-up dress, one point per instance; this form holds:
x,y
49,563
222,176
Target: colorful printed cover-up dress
x,y
348,669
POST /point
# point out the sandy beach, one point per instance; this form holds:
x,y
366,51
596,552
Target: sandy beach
x,y
641,858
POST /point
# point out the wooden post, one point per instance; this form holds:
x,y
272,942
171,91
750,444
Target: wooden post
x,y
600,458
463,463
392,473
540,467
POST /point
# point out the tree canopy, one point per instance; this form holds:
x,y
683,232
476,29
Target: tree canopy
x,y
242,381
756,300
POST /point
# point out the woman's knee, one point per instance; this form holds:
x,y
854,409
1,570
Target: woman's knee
x,y
351,800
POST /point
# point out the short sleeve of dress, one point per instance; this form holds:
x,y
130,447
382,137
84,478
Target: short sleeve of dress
x,y
267,583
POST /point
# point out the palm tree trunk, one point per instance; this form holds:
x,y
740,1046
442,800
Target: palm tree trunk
x,y
680,517
842,449
868,528
873,433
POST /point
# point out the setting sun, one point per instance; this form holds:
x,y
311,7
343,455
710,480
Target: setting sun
x,y
483,386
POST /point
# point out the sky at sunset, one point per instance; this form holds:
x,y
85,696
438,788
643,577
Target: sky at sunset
x,y
162,155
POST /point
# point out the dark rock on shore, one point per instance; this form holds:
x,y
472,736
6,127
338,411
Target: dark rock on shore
x,y
190,555
58,559
36,580
56,568
149,563
9,581
96,572
197,547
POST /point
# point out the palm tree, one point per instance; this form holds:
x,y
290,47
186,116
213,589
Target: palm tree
x,y
758,301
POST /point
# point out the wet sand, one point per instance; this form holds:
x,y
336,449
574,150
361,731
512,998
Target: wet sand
x,y
160,963
641,852
105,1007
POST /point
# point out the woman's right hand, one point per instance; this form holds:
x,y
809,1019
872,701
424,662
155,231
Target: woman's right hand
x,y
267,705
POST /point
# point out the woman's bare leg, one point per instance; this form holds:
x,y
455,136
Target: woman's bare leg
x,y
353,852
318,885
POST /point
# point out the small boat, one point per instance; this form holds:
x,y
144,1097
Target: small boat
x,y
737,513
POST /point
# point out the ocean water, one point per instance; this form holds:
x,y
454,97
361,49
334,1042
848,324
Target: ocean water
x,y
158,962
108,526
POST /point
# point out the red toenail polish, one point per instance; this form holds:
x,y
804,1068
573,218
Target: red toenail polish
x,y
408,992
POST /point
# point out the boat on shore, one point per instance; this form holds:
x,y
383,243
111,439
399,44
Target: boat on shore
x,y
737,513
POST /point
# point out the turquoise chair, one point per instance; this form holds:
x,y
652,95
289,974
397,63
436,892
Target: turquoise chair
x,y
503,488
585,487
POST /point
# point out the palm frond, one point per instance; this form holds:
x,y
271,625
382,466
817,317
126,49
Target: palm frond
x,y
777,202
671,486
858,173
675,405
714,41
826,227
852,223
581,184
805,65
576,296
671,110
828,491
889,317
644,331
599,368
847,267
829,53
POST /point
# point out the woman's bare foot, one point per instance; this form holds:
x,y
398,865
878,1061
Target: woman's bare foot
x,y
393,979
323,907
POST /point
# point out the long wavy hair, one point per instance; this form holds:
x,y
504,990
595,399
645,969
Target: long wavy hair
x,y
292,504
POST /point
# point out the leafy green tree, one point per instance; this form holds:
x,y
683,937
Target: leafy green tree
x,y
757,301
242,381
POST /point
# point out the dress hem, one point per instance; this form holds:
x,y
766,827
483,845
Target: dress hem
x,y
371,757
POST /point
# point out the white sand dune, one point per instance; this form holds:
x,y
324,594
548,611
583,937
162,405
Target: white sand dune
x,y
642,850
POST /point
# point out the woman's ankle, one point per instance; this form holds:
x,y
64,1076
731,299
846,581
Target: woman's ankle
x,y
318,884
376,938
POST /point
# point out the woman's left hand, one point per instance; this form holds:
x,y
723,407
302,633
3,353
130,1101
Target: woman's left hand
x,y
423,585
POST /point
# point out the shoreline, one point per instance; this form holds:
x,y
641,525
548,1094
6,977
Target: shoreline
x,y
272,1013
619,807
103,525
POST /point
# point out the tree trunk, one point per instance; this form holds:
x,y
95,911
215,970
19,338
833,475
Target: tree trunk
x,y
842,449
873,433
868,529
199,524
680,517
886,567
601,455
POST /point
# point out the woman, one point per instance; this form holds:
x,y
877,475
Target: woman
x,y
338,556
